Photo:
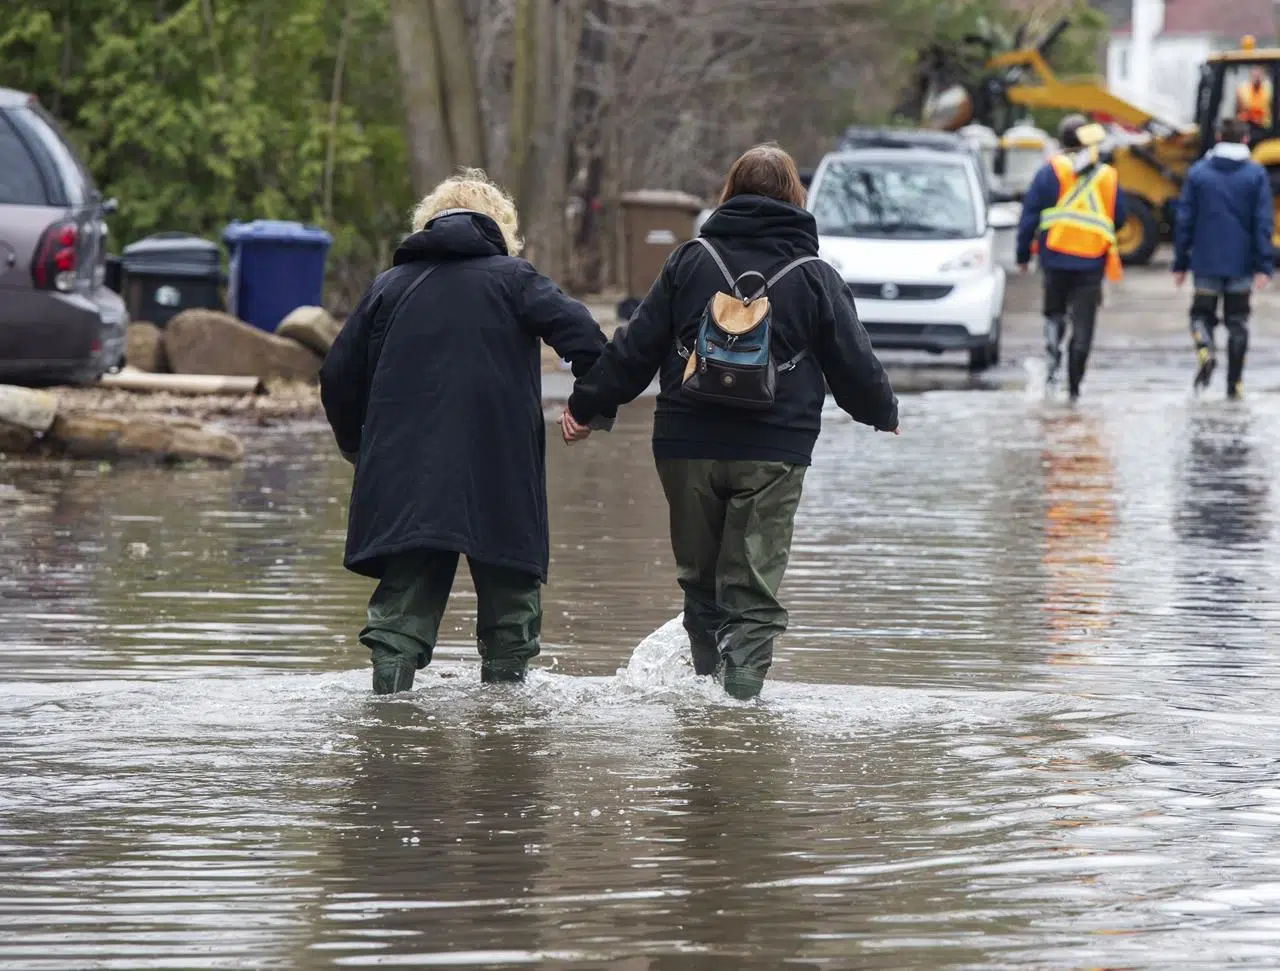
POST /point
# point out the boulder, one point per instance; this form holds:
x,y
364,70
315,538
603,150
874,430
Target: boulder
x,y
134,436
209,342
312,327
144,348
27,408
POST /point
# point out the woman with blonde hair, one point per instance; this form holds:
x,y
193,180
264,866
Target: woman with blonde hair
x,y
742,385
434,392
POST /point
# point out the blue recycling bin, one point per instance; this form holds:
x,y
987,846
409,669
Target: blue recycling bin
x,y
276,267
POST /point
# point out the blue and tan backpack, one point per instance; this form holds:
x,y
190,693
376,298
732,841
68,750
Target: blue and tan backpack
x,y
730,362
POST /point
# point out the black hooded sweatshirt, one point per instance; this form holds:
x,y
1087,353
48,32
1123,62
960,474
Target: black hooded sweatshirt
x,y
812,311
442,405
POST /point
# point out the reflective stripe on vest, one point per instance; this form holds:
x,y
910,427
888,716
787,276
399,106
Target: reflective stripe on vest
x,y
1083,222
1254,104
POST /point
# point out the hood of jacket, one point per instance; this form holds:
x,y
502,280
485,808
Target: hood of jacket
x,y
779,226
1229,156
454,234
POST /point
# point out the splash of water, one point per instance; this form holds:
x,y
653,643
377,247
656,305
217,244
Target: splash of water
x,y
1037,379
660,660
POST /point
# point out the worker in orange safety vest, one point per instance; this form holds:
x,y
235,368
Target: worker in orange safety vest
x,y
1070,213
1253,100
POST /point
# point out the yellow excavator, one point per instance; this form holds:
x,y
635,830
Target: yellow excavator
x,y
1151,164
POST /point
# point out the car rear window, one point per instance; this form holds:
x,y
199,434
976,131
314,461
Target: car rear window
x,y
895,199
42,134
20,181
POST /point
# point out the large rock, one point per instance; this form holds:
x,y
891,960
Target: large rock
x,y
209,342
100,436
144,348
312,327
27,408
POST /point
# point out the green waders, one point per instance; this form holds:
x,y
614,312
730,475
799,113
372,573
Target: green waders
x,y
731,525
406,609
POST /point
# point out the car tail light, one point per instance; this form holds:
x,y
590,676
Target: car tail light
x,y
57,257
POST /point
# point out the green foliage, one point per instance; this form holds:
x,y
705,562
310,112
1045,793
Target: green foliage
x,y
191,124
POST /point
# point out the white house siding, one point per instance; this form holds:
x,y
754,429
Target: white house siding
x,y
1175,73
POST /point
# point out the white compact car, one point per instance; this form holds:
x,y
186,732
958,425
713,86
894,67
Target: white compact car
x,y
908,227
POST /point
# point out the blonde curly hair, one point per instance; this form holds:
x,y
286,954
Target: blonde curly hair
x,y
473,189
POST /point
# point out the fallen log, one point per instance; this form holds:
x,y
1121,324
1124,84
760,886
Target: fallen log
x,y
193,384
139,436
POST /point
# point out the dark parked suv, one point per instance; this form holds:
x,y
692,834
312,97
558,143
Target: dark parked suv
x,y
58,322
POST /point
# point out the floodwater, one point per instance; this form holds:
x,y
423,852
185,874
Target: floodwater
x,y
1025,717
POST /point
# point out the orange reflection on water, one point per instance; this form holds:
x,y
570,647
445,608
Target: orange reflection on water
x,y
1079,483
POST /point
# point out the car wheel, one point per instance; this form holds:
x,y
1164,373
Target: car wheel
x,y
988,355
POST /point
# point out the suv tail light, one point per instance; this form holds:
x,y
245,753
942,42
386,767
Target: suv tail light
x,y
57,256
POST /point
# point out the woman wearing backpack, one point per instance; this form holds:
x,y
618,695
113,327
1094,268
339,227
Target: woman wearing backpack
x,y
742,387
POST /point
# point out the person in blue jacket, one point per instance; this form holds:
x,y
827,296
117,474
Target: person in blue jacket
x,y
1071,211
1223,236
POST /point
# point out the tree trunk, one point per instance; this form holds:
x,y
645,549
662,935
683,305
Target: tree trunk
x,y
430,152
460,92
523,98
335,110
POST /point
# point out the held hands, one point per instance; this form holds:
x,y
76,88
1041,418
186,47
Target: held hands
x,y
1261,281
571,431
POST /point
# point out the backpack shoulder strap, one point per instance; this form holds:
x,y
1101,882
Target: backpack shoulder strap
x,y
791,266
408,292
395,311
790,365
715,255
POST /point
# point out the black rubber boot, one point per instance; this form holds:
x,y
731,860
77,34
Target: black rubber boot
x,y
1237,347
1206,358
392,671
1075,375
1054,331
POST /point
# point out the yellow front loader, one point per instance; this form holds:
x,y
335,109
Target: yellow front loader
x,y
1153,163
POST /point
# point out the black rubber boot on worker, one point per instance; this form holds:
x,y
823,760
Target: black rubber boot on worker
x,y
1055,329
1237,346
1075,375
741,683
1208,364
393,671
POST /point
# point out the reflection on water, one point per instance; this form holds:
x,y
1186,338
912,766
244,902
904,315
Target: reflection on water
x,y
1223,519
1080,509
1025,717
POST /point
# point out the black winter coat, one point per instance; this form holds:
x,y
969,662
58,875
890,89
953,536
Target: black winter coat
x,y
442,406
812,311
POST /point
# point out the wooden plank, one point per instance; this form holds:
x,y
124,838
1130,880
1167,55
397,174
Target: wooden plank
x,y
193,384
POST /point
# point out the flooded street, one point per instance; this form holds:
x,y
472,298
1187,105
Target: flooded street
x,y
1025,715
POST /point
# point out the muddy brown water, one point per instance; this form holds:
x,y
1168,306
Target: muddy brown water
x,y
1025,717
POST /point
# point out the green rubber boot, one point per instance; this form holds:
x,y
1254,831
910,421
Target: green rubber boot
x,y
392,671
742,683
502,673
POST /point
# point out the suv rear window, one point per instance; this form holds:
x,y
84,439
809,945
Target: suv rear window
x,y
71,182
20,181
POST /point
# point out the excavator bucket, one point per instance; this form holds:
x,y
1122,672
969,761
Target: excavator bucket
x,y
947,109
